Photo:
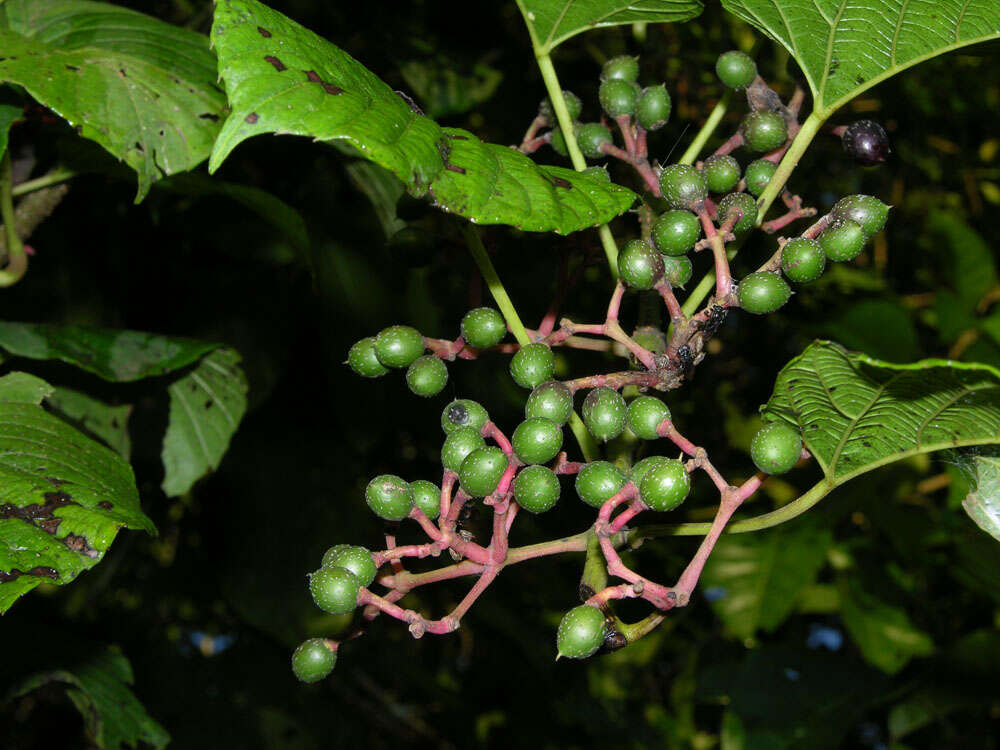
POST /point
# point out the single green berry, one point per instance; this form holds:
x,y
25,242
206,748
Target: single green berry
x,y
618,97
427,497
358,560
483,327
398,346
652,110
677,270
803,260
598,481
598,173
735,69
590,137
581,632
758,175
481,470
643,467
558,142
427,376
363,361
532,364
313,660
622,68
776,448
722,173
463,412
604,413
335,590
537,440
683,186
676,232
645,414
666,485
639,265
747,208
536,488
842,240
390,497
547,112
764,130
763,292
550,400
459,444
866,210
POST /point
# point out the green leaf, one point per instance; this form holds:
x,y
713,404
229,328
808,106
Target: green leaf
x,y
64,497
22,388
857,413
983,502
118,356
382,188
845,47
971,266
112,715
880,327
757,578
206,407
141,88
886,636
552,22
282,78
9,114
106,422
444,91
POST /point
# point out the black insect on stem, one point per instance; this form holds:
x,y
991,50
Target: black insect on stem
x,y
711,325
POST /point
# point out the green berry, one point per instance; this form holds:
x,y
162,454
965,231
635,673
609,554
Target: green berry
x,y
645,414
551,400
842,240
747,207
590,137
639,265
313,660
481,470
623,68
735,69
598,481
618,97
650,338
676,232
459,444
558,142
463,412
764,130
363,361
390,497
358,560
666,485
677,270
758,174
581,632
722,173
573,104
643,467
598,173
536,488
763,292
604,413
483,327
427,376
398,346
532,364
335,590
776,448
652,110
803,260
427,497
683,186
537,440
866,210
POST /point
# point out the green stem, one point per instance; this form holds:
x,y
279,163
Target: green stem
x,y
799,145
17,260
54,177
714,118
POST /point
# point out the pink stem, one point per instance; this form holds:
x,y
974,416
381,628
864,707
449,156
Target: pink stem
x,y
734,142
634,509
723,279
625,125
673,306
492,432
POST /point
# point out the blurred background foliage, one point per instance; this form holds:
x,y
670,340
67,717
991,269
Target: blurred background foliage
x,y
873,621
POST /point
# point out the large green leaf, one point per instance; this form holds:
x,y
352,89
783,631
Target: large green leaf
x,y
857,413
94,417
143,89
552,22
9,113
755,579
983,501
282,78
112,714
886,636
64,496
847,46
